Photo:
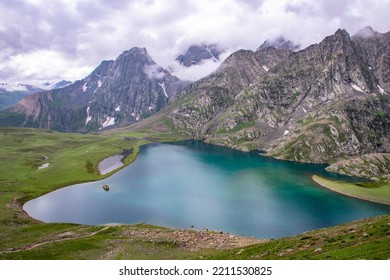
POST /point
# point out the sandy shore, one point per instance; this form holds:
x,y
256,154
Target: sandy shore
x,y
110,164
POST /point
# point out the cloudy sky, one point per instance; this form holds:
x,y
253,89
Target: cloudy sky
x,y
49,40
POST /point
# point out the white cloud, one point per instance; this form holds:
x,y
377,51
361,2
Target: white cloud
x,y
195,72
44,65
154,71
67,39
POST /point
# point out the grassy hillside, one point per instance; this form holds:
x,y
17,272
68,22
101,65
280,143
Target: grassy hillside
x,y
74,157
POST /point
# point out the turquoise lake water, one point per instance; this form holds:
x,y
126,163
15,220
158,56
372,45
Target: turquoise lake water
x,y
191,183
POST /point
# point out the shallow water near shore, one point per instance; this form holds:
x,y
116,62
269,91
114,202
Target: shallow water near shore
x,y
110,164
189,183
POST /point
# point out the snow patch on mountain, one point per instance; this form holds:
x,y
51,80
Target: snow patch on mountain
x,y
162,85
381,89
356,87
85,87
108,122
265,68
89,117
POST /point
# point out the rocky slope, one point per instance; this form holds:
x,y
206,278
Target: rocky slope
x,y
375,49
117,92
279,43
11,93
372,166
320,104
208,97
197,53
315,105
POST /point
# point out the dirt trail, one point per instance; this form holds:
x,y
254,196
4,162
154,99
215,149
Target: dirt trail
x,y
62,237
192,240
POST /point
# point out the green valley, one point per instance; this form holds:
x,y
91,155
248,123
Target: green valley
x,y
74,158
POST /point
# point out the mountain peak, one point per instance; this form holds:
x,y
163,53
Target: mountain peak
x,y
61,84
197,53
136,51
341,36
279,43
136,54
341,32
366,32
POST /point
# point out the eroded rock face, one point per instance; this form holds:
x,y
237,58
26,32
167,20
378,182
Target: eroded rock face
x,y
210,96
315,105
326,102
197,53
375,49
373,166
117,92
279,43
353,126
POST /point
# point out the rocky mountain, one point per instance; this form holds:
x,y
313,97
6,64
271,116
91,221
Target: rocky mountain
x,y
279,43
207,98
60,84
375,49
372,166
319,104
117,92
197,53
11,93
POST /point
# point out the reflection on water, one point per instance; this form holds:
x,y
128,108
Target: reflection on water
x,y
192,183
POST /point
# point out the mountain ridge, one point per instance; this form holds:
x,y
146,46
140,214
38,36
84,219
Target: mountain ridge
x,y
196,54
122,90
319,104
270,114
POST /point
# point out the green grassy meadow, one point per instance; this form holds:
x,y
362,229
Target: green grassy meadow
x,y
74,158
375,191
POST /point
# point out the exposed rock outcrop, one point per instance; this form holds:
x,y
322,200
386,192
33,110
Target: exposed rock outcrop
x,y
372,166
315,105
117,92
326,102
197,53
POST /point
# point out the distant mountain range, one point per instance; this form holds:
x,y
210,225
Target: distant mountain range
x,y
318,104
11,93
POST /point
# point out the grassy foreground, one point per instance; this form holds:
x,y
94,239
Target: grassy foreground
x,y
74,157
375,191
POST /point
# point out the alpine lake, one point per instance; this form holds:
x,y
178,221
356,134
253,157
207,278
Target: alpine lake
x,y
196,185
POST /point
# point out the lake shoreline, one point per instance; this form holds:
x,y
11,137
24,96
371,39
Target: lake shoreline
x,y
321,181
110,164
15,220
190,160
